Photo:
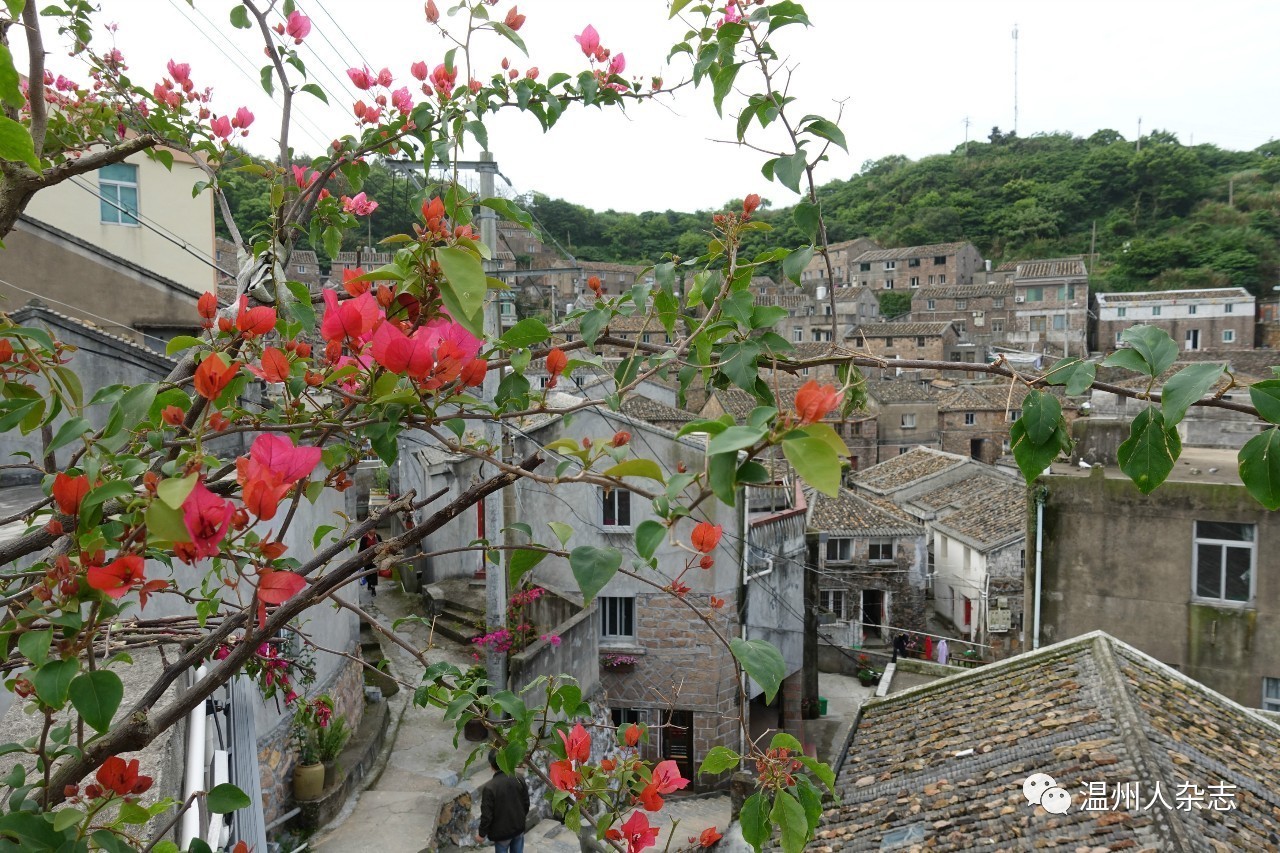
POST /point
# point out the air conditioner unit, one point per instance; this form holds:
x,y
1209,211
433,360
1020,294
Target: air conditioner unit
x,y
1019,299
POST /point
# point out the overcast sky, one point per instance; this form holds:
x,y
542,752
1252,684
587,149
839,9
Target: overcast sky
x,y
910,72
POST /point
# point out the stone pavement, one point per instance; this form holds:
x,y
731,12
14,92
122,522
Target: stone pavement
x,y
420,768
691,814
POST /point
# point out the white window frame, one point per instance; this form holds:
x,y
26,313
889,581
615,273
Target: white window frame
x,y
908,420
797,334
1120,312
877,555
888,284
1229,308
1191,309
1228,336
942,278
1250,544
930,305
616,502
841,547
1155,311
889,265
962,304
970,418
1271,694
617,615
829,598
108,187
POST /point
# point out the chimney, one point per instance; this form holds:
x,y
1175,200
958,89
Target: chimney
x,y
988,266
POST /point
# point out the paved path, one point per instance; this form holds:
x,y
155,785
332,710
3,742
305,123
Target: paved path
x,y
694,814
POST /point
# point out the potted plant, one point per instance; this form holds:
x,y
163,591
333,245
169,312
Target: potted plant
x,y
617,662
380,492
329,743
308,775
867,674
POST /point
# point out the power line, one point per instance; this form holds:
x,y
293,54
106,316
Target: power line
x,y
46,298
342,79
345,35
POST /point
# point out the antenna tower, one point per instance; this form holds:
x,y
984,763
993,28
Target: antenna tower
x,y
1015,79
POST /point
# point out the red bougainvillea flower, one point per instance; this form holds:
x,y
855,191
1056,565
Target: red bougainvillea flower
x,y
749,205
401,354
632,735
563,776
207,518
637,832
361,77
814,401
433,212
207,306
454,349
172,415
221,127
255,321
352,320
650,799
122,778
213,375
716,603
433,13
273,466
514,19
473,374
621,438
577,744
349,283
69,491
277,587
556,363
419,70
443,79
706,536
6,351
708,838
119,576
298,27
666,775
275,366
589,41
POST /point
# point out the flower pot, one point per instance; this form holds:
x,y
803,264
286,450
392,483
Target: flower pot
x,y
620,668
330,774
308,781
378,499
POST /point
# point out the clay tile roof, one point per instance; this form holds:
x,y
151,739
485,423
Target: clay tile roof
x,y
916,464
962,291
1052,268
910,252
903,330
1222,293
36,311
790,301
989,510
899,391
642,408
303,256
851,514
941,766
604,266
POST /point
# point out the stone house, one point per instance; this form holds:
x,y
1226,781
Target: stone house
x,y
1051,306
872,568
944,765
938,341
918,470
906,412
974,420
364,258
916,266
305,267
981,313
1268,329
1217,319
1190,573
842,255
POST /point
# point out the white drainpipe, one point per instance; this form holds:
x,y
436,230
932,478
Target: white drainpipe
x,y
194,775
1035,630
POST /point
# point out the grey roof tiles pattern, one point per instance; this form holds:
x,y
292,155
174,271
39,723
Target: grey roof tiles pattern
x,y
851,514
903,330
1223,293
932,250
1052,268
989,509
899,471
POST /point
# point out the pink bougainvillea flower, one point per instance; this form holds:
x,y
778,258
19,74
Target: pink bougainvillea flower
x,y
637,832
666,776
304,177
443,79
577,744
243,118
117,577
298,27
207,518
180,72
352,319
401,353
221,127
402,100
359,205
589,41
419,70
361,77
618,64
278,453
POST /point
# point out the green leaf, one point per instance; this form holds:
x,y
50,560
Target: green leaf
x,y
34,645
132,813
1041,413
226,798
722,472
561,530
522,562
827,130
10,90
53,680
68,432
268,85
31,830
593,568
796,262
511,36
1129,360
646,468
313,89
527,332
806,216
175,490
718,760
64,819
1155,346
826,433
790,817
1149,454
109,491
733,439
1266,399
677,6
762,661
1185,387
789,170
756,828
16,144
722,83
820,770
166,523
1259,468
240,18
96,696
782,740
1033,458
649,535
463,287
816,462
180,343
1076,374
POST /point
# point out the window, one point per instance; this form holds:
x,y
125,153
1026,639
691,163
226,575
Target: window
x,y
880,551
645,338
970,418
920,341
915,281
890,265
939,260
1059,322
962,304
903,449
1022,558
961,326
888,342
1014,414
1120,312
1038,324
1118,344
617,617
118,187
1035,294
301,269
1155,312
942,279
864,267
826,310
1229,308
1228,336
1191,309
626,716
914,262
888,284
839,550
909,421
997,326
797,333
615,508
1224,557
930,305
1271,694
931,279
997,302
834,602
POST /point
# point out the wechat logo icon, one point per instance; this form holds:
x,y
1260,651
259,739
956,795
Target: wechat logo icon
x,y
1041,790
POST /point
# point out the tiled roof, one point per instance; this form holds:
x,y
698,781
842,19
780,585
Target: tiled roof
x,y
605,266
645,409
818,349
944,763
1220,293
962,291
790,301
988,509
898,471
36,311
851,514
367,258
910,252
851,294
303,256
898,330
739,403
899,391
625,325
1052,268
983,397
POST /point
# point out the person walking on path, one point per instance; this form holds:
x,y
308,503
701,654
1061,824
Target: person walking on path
x,y
504,810
899,646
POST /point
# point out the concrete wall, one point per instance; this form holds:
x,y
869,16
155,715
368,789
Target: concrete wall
x,y
1120,561
577,653
164,203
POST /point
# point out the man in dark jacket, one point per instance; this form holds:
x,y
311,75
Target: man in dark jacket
x,y
504,808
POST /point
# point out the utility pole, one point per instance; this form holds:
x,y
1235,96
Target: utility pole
x,y
1139,134
966,136
1015,79
495,585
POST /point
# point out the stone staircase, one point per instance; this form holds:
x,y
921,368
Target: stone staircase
x,y
457,606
